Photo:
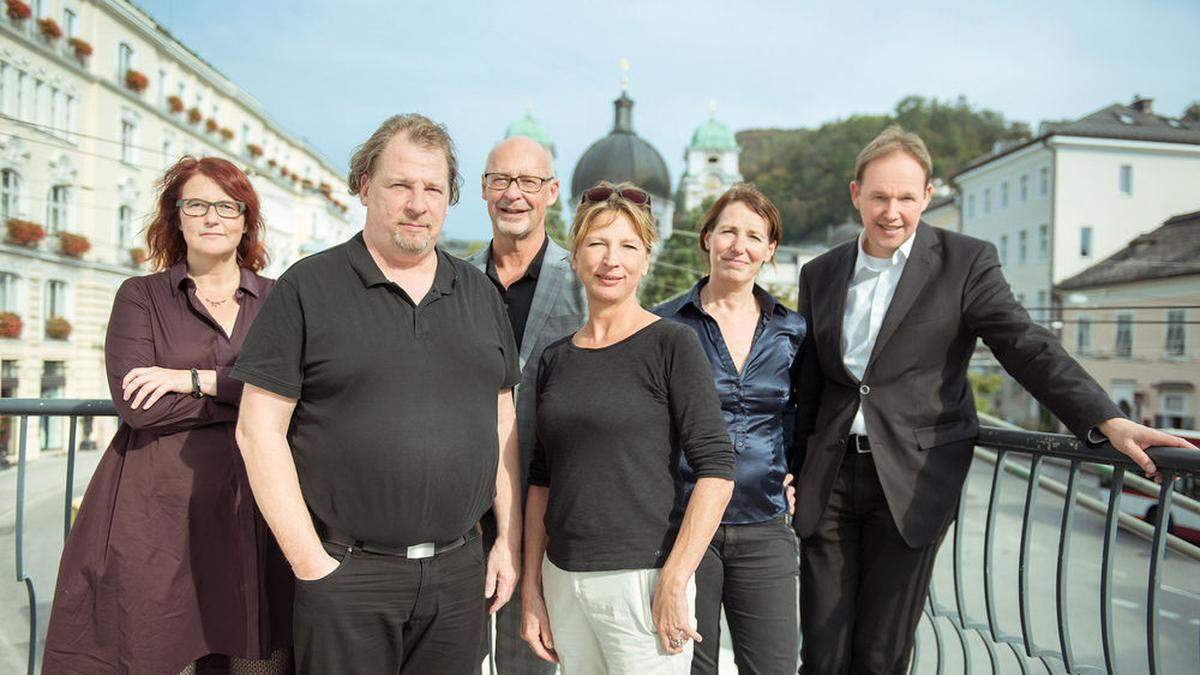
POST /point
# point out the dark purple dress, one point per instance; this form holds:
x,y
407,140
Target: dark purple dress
x,y
169,559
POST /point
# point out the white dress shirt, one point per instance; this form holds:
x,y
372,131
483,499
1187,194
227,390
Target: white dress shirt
x,y
867,299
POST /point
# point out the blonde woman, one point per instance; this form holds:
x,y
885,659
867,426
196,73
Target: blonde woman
x,y
609,559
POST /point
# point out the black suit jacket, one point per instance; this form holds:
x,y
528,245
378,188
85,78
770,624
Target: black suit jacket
x,y
916,399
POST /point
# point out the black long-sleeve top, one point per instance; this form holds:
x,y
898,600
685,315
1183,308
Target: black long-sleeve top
x,y
611,425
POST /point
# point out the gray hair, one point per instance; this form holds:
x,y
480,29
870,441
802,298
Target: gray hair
x,y
421,131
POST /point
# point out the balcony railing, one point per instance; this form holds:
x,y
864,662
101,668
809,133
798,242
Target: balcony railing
x,y
1012,452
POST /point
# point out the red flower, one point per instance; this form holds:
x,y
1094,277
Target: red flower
x,y
73,245
10,325
49,28
58,328
175,104
136,81
17,10
24,233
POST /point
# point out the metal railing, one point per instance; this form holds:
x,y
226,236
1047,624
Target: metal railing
x,y
1037,448
1011,447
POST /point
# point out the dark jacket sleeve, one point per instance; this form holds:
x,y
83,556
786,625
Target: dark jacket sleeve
x,y
1030,353
695,407
129,344
806,378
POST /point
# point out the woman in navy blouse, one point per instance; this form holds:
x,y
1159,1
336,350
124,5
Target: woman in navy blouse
x,y
753,343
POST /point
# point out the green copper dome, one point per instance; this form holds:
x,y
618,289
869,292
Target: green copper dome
x,y
712,135
529,127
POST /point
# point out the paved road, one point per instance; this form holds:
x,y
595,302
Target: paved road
x,y
1179,604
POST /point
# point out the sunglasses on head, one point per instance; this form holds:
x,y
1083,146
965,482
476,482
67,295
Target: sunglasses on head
x,y
602,193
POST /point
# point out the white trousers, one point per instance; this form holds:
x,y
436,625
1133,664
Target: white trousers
x,y
603,625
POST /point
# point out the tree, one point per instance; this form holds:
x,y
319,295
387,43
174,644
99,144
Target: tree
x,y
556,226
680,262
806,171
1192,113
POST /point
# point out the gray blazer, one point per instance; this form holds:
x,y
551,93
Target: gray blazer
x,y
559,309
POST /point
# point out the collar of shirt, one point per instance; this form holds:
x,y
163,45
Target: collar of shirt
x,y
532,271
864,261
249,282
767,304
370,274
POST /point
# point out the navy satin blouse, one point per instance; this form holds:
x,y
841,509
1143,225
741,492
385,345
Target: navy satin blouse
x,y
754,402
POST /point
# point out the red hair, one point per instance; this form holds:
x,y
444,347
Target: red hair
x,y
163,236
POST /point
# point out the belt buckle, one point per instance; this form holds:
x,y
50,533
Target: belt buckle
x,y
858,445
418,551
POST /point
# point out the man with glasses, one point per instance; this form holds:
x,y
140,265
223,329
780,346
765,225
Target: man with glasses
x,y
544,301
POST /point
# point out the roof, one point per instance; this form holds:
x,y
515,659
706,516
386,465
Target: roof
x,y
938,202
622,155
1172,250
713,135
1134,122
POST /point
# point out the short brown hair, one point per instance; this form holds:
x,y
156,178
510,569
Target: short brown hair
x,y
754,200
588,214
165,239
892,139
421,131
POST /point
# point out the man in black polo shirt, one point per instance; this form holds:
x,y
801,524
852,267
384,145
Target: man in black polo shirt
x,y
377,426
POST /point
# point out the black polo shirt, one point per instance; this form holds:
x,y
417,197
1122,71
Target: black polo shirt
x,y
518,297
394,432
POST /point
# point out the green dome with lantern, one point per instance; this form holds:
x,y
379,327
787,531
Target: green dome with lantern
x,y
528,126
713,135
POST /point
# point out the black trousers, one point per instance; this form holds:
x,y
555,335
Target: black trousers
x,y
752,570
862,588
383,614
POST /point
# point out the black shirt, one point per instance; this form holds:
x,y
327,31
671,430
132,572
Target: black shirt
x,y
611,425
518,297
754,401
394,432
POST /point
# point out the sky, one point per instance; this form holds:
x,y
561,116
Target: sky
x,y
329,72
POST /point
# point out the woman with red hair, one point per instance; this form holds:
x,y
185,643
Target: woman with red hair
x,y
168,561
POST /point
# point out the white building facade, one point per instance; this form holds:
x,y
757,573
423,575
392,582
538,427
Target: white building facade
x,y
96,101
1079,192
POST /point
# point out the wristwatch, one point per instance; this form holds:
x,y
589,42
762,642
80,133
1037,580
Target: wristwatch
x,y
196,393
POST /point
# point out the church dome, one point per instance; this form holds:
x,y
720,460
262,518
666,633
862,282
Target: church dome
x,y
529,127
713,135
621,156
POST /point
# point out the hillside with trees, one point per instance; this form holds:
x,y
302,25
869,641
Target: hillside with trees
x,y
806,171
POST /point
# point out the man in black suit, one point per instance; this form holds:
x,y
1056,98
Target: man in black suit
x,y
886,420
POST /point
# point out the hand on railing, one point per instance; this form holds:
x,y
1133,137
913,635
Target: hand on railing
x,y
1132,439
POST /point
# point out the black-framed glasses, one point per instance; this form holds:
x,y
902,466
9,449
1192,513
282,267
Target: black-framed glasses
x,y
501,181
602,193
200,207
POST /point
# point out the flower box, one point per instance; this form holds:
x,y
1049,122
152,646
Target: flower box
x,y
137,256
10,325
17,10
175,104
73,245
283,172
210,125
24,233
326,188
83,48
271,163
194,115
308,184
136,81
49,29
58,328
254,150
226,134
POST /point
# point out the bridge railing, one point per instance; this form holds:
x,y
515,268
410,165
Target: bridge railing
x,y
1026,454
1011,451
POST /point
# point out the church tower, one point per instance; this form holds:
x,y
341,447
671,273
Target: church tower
x,y
712,162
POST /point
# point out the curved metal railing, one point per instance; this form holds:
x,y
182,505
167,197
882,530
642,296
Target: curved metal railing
x,y
1008,444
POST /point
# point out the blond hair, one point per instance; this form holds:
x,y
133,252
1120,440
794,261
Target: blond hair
x,y
587,216
421,131
893,139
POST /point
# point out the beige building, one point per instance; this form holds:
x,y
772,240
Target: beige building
x,y
1132,321
96,100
